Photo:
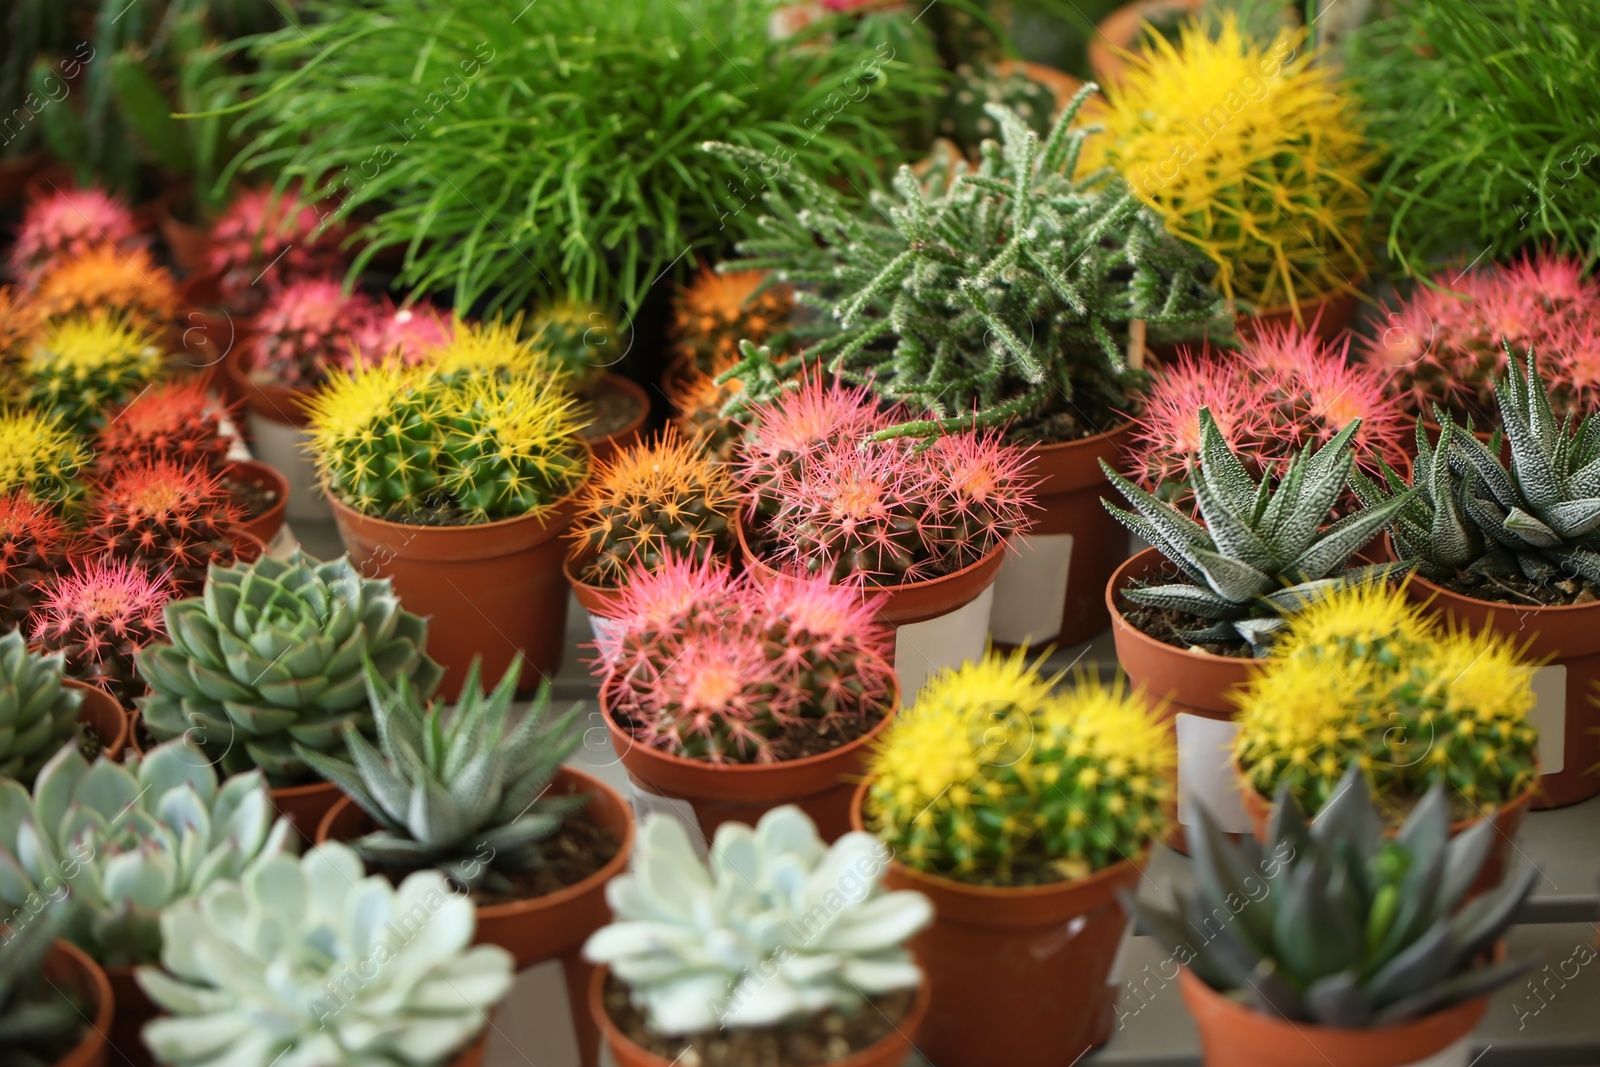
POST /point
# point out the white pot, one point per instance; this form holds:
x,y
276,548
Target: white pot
x,y
281,445
1030,592
921,649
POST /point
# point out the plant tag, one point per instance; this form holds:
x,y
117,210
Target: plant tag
x,y
1120,964
1205,773
603,630
1030,592
922,648
1549,716
646,802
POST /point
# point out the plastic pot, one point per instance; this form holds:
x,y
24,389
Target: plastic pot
x,y
1052,587
991,952
626,436
265,526
1325,317
66,965
890,1051
1232,1034
102,711
1567,640
706,795
306,806
552,926
14,176
492,589
125,1047
1120,31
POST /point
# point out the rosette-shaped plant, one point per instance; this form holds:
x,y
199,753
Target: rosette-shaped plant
x,y
40,1020
1264,551
272,656
99,615
992,777
33,544
302,333
738,943
37,713
176,420
265,240
128,841
720,308
40,456
78,368
312,960
166,518
64,225
459,788
123,282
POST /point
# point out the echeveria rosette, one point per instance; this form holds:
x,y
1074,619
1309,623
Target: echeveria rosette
x,y
128,840
311,960
271,656
38,714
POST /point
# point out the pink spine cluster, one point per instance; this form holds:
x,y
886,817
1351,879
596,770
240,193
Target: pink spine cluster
x,y
64,225
264,241
304,331
409,332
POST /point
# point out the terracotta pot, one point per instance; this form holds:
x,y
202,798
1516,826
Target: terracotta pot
x,y
820,785
187,242
68,966
1052,588
988,946
14,175
102,711
938,623
891,1051
472,1055
492,589
306,806
677,377
552,926
1326,316
134,1009
608,446
210,336
265,526
1567,640
1120,31
1232,1034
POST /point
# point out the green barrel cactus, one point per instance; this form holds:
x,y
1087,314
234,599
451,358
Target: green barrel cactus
x,y
38,714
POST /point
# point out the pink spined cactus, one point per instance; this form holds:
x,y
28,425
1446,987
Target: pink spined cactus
x,y
266,240
304,333
99,615
799,424
409,332
1167,431
678,595
64,225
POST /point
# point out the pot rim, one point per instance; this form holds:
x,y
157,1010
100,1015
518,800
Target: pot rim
x,y
1120,578
1444,593
115,745
99,982
623,384
263,398
1318,302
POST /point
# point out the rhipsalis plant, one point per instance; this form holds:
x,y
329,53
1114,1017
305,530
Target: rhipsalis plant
x,y
992,777
382,975
464,788
1263,551
37,713
39,1020
268,662
130,840
1344,926
1000,296
738,943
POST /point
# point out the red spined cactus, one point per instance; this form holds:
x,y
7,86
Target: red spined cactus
x,y
167,519
264,241
304,333
98,615
33,547
176,420
409,332
64,225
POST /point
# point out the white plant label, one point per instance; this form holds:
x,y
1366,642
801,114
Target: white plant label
x,y
1120,964
1205,773
1549,716
1030,593
283,446
922,648
645,802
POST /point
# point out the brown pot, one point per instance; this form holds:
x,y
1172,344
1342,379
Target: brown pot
x,y
134,1009
102,711
608,446
187,242
989,946
1061,84
492,589
280,403
265,526
1119,32
1232,1034
306,806
1326,317
820,785
14,175
1567,640
891,1051
680,373
552,926
1073,546
67,965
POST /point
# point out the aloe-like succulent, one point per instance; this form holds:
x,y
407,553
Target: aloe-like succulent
x,y
1263,551
39,1022
778,927
311,960
268,661
38,714
127,841
1342,925
462,789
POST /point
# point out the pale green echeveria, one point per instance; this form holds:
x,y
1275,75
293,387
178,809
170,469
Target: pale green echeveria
x,y
779,927
38,714
311,962
129,840
271,656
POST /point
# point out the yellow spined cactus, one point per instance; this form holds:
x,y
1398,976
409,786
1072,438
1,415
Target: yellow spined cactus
x,y
78,367
40,455
512,446
376,435
1251,153
495,347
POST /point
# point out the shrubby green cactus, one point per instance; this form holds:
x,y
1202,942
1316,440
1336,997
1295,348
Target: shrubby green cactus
x,y
38,714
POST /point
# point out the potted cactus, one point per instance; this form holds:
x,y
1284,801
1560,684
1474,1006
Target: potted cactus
x,y
127,842
263,241
41,709
530,842
1029,312
1516,547
1020,811
266,664
411,333
122,282
457,481
80,367
382,973
42,457
33,546
715,311
1394,967
781,950
62,225
55,1002
649,503
730,696
98,615
579,341
925,524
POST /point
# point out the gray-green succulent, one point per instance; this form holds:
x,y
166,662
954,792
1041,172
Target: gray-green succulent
x,y
39,1022
38,713
125,841
1263,551
1337,923
268,661
311,960
463,788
